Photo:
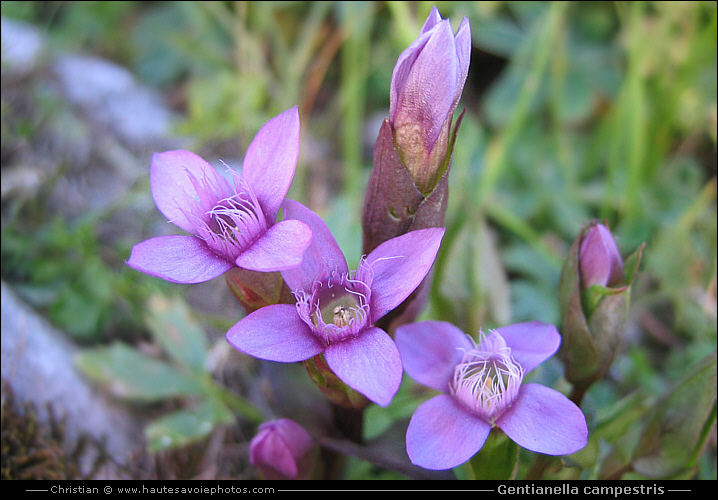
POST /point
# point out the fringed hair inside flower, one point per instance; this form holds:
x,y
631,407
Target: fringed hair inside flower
x,y
234,223
481,388
337,308
487,380
230,224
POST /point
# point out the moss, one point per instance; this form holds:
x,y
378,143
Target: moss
x,y
32,449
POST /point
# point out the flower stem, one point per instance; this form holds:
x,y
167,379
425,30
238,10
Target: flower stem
x,y
349,422
577,394
539,466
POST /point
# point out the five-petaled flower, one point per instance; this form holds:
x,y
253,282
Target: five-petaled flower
x,y
336,309
481,387
231,223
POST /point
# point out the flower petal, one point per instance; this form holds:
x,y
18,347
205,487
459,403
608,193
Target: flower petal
x,y
432,20
280,449
545,421
463,54
275,333
178,258
429,85
271,160
323,256
369,364
185,187
295,437
281,247
272,456
401,71
600,260
430,350
531,343
399,265
442,434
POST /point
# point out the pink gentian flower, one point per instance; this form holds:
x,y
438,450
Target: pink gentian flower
x,y
481,387
336,309
230,223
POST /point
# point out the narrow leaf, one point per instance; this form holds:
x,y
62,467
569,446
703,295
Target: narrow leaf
x,y
130,374
675,431
175,328
186,426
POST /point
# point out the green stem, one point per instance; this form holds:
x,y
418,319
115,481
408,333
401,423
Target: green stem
x,y
354,72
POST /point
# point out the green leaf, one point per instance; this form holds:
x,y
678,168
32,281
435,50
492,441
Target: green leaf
x,y
593,295
617,426
130,374
186,426
499,36
235,402
620,418
576,99
498,459
378,418
678,426
174,326
632,264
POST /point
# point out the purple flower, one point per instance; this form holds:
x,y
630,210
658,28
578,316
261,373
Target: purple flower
x,y
600,260
336,309
482,387
231,223
282,449
426,86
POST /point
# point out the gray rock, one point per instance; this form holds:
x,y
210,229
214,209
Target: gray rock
x,y
38,364
112,96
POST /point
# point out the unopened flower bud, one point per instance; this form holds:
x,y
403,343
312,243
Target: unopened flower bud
x,y
282,449
426,86
408,187
594,292
600,261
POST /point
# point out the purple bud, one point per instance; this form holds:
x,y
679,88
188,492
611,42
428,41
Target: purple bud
x,y
426,86
593,296
600,260
282,449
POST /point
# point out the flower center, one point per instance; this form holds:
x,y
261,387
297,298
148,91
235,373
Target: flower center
x,y
235,223
335,309
343,314
488,379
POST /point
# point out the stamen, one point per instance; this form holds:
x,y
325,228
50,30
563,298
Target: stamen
x,y
488,379
238,221
337,308
342,317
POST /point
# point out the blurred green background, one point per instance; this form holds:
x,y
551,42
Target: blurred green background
x,y
574,111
